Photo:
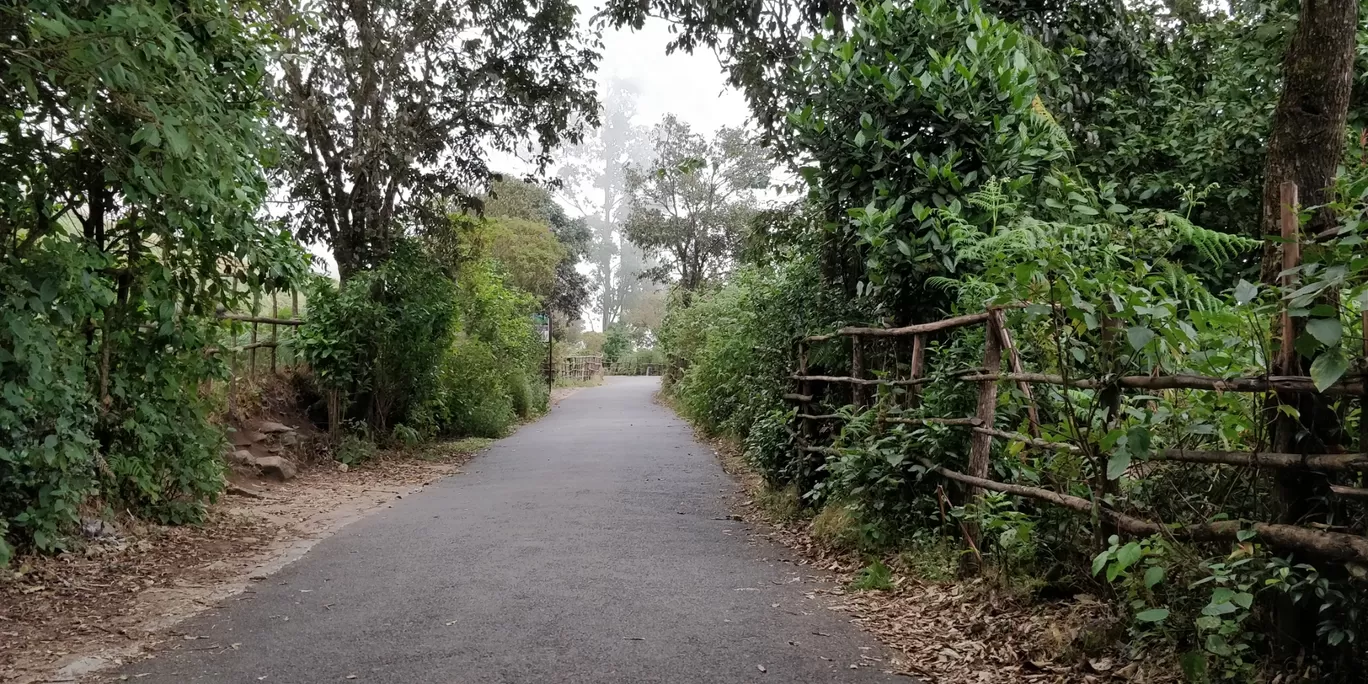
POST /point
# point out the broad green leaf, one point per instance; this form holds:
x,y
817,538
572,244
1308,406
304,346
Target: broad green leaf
x,y
1327,331
1129,555
1139,336
1152,615
1328,368
1100,562
1118,463
1153,576
1245,292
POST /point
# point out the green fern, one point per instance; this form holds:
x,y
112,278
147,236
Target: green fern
x,y
1215,247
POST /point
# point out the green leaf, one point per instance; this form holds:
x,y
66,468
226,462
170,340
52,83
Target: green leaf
x,y
1139,336
1100,562
1327,331
1328,368
1152,615
1217,645
1129,555
1245,292
1118,463
1153,576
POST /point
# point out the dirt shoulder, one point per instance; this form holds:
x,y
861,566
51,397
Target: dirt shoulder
x,y
951,632
64,616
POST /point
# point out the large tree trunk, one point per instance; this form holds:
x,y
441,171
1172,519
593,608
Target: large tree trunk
x,y
1307,140
1305,147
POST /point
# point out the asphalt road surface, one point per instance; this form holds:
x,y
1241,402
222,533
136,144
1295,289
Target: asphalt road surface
x,y
591,546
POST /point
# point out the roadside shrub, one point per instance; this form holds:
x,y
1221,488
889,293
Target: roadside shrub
x,y
379,336
472,397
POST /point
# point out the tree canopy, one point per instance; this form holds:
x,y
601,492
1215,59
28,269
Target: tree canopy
x,y
392,104
692,205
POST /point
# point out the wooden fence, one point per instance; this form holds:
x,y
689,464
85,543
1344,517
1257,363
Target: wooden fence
x,y
902,354
580,368
251,323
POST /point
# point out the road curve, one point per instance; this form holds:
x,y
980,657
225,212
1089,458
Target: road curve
x,y
591,546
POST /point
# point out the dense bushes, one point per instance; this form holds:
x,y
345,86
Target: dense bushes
x,y
945,184
730,349
129,183
406,344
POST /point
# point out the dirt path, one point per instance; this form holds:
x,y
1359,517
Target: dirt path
x,y
593,546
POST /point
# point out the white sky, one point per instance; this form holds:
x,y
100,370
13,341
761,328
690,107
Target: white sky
x,y
689,86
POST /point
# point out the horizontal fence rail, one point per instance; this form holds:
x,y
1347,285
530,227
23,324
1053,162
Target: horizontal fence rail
x,y
809,390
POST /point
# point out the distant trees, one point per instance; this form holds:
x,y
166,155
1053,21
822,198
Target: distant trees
x,y
594,184
520,200
391,105
691,206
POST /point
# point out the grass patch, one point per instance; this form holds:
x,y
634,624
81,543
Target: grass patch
x,y
934,561
781,505
837,527
873,577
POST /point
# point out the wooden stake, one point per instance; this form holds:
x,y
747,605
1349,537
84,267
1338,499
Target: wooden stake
x,y
1291,235
1014,362
918,360
256,305
275,337
857,396
981,444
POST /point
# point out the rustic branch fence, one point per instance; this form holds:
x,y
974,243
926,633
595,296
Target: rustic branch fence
x,y
580,368
904,374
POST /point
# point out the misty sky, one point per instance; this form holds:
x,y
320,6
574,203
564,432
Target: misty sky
x,y
690,86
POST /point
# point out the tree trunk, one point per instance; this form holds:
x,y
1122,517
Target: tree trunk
x,y
1305,147
1307,140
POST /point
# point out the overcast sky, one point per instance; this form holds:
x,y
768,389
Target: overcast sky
x,y
690,86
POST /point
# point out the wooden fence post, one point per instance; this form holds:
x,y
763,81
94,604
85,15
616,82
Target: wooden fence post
x,y
981,444
275,337
918,360
857,391
256,311
1014,362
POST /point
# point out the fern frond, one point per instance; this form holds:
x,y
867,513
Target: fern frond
x,y
946,285
1215,247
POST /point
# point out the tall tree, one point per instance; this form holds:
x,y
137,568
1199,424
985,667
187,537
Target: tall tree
x,y
1306,143
594,184
691,208
394,104
1305,146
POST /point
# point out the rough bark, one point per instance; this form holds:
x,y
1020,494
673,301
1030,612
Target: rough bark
x,y
1307,139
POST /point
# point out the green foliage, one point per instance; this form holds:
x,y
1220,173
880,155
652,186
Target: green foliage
x,y
616,344
873,577
692,206
379,335
730,346
650,360
132,159
886,137
368,163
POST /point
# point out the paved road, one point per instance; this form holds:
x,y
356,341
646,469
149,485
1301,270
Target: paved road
x,y
592,546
